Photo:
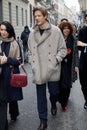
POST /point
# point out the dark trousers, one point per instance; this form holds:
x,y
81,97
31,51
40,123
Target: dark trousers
x,y
83,81
64,96
3,107
3,116
53,88
13,109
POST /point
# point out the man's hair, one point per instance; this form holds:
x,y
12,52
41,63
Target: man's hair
x,y
64,19
43,10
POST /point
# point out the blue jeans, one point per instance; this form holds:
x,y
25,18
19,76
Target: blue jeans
x,y
53,88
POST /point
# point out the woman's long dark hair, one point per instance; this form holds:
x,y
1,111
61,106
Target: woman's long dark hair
x,y
9,29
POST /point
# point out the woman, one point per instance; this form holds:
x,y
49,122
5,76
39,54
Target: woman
x,y
10,56
69,64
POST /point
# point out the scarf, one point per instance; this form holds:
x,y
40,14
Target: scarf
x,y
14,51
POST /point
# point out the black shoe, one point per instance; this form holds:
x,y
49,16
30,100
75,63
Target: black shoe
x,y
85,105
13,118
42,126
53,111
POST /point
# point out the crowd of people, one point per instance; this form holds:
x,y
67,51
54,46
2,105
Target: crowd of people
x,y
53,55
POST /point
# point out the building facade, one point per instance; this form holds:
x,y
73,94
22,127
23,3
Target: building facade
x,y
20,12
83,9
16,12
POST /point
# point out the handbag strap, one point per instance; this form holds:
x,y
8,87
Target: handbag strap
x,y
21,65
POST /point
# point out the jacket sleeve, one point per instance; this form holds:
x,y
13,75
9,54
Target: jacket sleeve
x,y
76,54
29,51
81,38
61,48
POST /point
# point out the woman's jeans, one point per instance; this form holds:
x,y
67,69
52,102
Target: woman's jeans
x,y
53,88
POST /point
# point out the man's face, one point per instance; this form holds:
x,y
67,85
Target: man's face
x,y
39,18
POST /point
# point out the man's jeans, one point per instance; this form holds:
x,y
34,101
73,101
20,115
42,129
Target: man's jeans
x,y
53,88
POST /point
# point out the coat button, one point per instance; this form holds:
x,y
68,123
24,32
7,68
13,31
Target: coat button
x,y
49,59
49,45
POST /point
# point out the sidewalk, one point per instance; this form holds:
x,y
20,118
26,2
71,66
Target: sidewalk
x,y
75,118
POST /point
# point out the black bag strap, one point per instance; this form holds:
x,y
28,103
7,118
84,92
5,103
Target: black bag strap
x,y
21,65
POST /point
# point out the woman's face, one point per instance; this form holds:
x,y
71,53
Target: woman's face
x,y
3,31
66,31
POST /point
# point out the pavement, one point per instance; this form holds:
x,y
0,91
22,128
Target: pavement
x,y
75,118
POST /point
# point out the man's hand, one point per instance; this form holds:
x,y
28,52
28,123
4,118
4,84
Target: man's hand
x,y
82,44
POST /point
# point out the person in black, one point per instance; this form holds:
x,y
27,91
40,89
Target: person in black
x,y
69,65
24,38
10,56
82,46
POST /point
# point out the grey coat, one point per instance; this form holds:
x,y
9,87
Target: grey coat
x,y
46,52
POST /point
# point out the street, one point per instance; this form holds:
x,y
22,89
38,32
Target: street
x,y
75,118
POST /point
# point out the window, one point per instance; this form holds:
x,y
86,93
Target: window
x,y
1,15
22,14
17,15
30,14
26,16
10,15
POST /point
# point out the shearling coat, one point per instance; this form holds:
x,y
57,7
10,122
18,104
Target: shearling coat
x,y
46,52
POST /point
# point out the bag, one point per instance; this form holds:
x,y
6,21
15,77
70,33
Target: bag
x,y
19,80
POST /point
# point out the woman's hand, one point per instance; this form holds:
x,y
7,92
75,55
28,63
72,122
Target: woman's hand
x,y
3,59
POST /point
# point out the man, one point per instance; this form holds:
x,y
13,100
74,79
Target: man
x,y
82,46
47,49
24,38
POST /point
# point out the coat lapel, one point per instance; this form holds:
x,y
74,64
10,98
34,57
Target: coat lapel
x,y
41,38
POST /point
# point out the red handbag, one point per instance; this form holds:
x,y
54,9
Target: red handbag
x,y
19,80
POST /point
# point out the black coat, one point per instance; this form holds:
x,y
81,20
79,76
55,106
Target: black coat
x,y
10,93
83,57
68,74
